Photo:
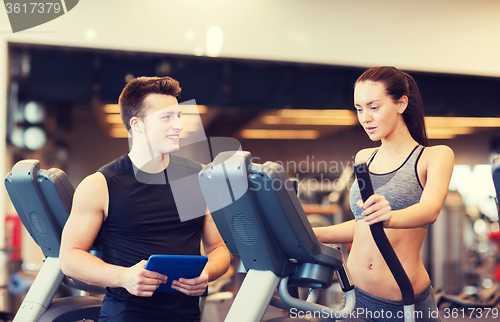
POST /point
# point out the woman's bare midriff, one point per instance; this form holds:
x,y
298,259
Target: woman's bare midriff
x,y
369,271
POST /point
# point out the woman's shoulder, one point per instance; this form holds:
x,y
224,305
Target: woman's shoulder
x,y
438,151
364,155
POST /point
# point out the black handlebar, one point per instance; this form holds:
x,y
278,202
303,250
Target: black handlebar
x,y
383,244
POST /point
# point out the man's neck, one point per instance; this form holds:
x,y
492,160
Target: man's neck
x,y
145,163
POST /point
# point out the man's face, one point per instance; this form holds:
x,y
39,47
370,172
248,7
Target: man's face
x,y
162,123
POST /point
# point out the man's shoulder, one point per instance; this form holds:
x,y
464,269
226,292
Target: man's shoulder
x,y
92,185
115,167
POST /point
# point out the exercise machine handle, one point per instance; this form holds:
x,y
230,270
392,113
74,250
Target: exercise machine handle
x,y
383,244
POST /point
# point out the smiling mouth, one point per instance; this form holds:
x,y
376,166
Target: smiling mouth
x,y
173,137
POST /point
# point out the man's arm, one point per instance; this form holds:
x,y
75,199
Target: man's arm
x,y
90,203
219,257
218,261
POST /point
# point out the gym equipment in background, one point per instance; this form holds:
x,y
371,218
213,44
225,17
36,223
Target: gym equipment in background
x,y
261,220
42,199
495,173
487,299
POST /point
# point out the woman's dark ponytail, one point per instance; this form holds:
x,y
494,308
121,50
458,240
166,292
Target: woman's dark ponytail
x,y
414,113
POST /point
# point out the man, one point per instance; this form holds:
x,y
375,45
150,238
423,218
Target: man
x,y
129,205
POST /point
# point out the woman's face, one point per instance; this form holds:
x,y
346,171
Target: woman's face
x,y
377,112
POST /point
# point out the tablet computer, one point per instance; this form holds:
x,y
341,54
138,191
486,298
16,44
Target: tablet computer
x,y
175,267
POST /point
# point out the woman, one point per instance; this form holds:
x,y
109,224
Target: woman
x,y
411,183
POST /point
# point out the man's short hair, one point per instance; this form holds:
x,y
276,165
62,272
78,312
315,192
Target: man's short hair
x,y
131,99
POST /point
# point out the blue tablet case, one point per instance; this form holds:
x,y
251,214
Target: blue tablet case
x,y
175,267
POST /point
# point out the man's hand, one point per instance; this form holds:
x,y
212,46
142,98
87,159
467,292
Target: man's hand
x,y
192,286
142,282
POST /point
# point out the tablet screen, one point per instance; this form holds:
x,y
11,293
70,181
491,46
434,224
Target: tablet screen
x,y
175,267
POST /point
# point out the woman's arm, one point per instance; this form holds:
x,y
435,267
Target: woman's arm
x,y
337,234
440,161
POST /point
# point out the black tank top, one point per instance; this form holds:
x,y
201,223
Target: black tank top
x,y
143,220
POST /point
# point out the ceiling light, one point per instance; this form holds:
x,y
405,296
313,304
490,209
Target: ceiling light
x,y
441,136
111,108
34,112
34,138
273,119
434,132
310,117
296,113
449,127
118,132
215,40
114,118
280,134
462,121
452,130
193,109
16,137
90,34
